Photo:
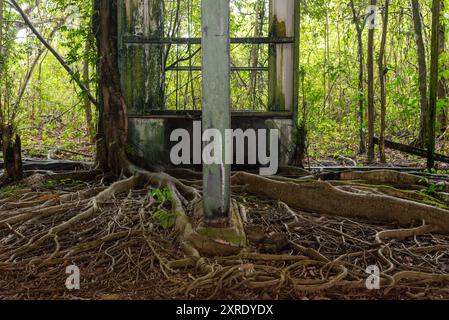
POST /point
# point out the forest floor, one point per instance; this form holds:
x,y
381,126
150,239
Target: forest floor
x,y
123,251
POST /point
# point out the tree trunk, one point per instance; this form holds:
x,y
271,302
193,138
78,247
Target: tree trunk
x,y
1,47
442,84
327,81
87,104
430,142
30,71
361,87
371,106
1,37
12,154
113,123
382,78
422,71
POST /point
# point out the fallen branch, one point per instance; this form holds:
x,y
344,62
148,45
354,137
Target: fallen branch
x,y
412,150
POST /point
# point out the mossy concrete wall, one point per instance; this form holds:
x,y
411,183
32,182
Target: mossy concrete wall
x,y
282,56
142,65
149,137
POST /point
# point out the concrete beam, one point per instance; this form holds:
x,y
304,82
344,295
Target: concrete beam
x,y
216,106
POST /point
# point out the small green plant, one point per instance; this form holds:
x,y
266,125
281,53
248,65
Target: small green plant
x,y
167,219
64,182
424,181
130,150
50,183
161,195
433,188
9,191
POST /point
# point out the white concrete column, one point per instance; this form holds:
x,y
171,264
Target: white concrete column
x,y
216,107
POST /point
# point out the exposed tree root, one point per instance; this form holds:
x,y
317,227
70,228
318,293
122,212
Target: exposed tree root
x,y
321,197
112,234
420,276
402,234
413,195
35,242
385,177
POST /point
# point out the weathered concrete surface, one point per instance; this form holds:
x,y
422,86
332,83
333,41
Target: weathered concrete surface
x,y
287,144
148,141
141,66
150,145
211,241
216,105
282,56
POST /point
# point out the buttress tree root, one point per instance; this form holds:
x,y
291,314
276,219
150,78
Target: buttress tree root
x,y
322,197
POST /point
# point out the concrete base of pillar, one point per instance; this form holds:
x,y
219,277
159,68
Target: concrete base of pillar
x,y
219,241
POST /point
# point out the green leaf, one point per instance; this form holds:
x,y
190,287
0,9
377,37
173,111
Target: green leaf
x,y
166,219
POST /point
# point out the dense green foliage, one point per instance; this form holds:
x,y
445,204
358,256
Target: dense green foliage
x,y
330,71
52,113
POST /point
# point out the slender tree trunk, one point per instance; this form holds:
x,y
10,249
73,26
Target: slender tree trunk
x,y
371,105
430,142
328,90
1,33
382,78
422,71
1,46
30,71
361,86
442,84
2,56
87,103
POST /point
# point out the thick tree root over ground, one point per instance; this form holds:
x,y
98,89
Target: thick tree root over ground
x,y
307,239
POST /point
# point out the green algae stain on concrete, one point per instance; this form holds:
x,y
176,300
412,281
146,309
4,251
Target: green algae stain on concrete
x,y
277,28
147,139
141,66
276,88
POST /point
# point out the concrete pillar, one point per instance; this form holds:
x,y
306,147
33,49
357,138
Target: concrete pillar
x,y
282,56
216,106
141,65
